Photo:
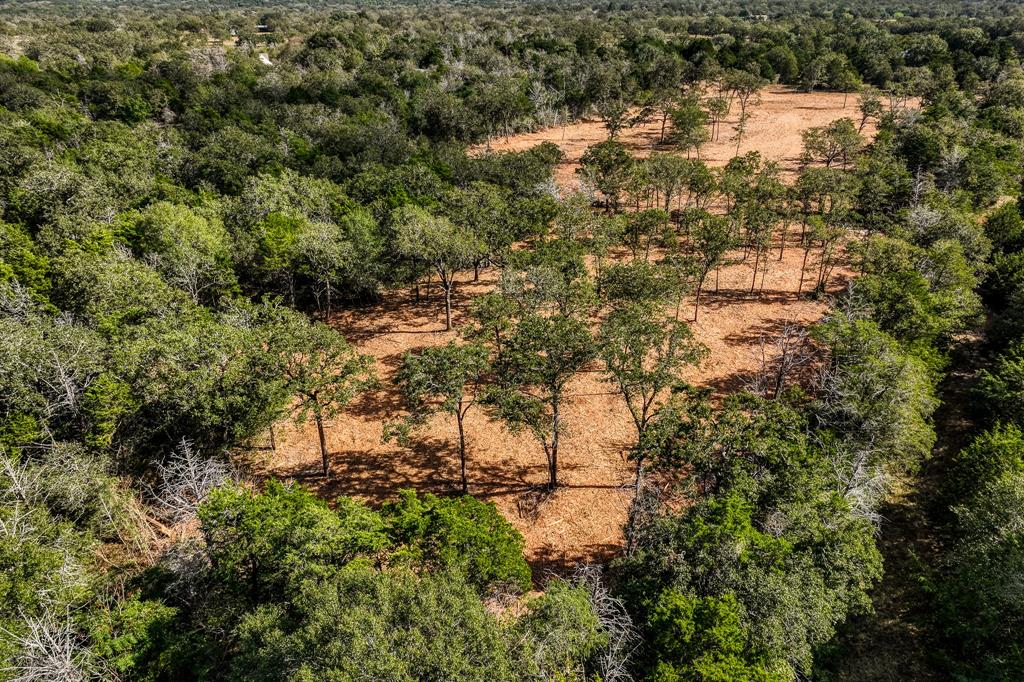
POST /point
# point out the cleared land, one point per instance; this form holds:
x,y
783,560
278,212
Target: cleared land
x,y
773,130
582,520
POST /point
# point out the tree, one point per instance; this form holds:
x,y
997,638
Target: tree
x,y
839,140
444,379
320,369
342,256
437,243
668,173
605,233
259,542
755,483
784,63
979,608
916,294
993,454
606,165
637,282
538,359
717,109
301,588
459,533
702,639
1002,386
870,107
190,250
641,230
484,211
846,81
760,223
492,316
323,253
613,111
711,240
644,353
874,393
276,249
689,126
745,87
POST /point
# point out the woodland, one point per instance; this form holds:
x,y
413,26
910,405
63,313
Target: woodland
x,y
326,329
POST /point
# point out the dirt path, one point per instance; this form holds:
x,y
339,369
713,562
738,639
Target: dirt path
x,y
774,130
897,641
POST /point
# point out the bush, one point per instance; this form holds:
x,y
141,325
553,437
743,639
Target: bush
x,y
261,543
1005,229
461,533
374,625
701,640
1001,389
990,456
980,599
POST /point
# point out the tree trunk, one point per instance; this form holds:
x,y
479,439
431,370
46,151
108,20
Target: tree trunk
x,y
803,266
324,457
821,271
757,261
447,308
462,453
328,319
696,298
273,440
553,456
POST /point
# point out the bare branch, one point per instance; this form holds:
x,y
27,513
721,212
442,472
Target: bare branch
x,y
185,480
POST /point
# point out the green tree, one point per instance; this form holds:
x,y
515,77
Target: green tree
x,y
438,244
190,250
702,640
538,359
444,379
1001,387
992,455
460,534
645,353
606,166
320,369
711,239
689,126
979,609
838,141
258,543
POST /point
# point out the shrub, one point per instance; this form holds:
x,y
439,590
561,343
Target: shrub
x,y
461,533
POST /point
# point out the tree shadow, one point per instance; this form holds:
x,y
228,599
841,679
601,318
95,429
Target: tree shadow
x,y
729,383
768,330
398,311
549,562
716,300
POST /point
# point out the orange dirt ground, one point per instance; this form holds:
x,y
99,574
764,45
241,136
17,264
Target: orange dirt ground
x,y
773,129
582,521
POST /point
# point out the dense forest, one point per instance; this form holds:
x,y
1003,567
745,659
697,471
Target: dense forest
x,y
191,193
